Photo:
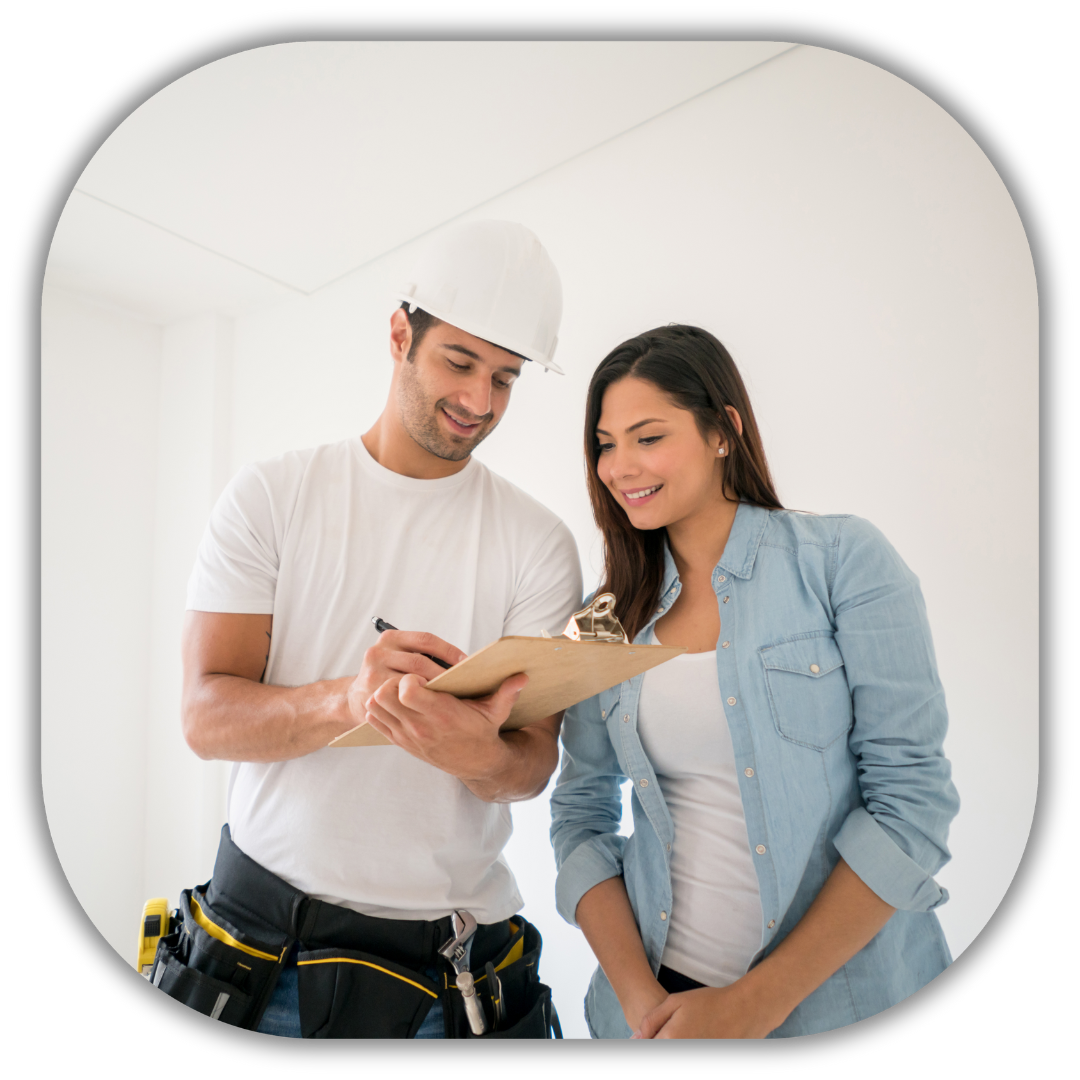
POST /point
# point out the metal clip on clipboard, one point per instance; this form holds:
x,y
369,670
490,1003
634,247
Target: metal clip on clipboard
x,y
597,622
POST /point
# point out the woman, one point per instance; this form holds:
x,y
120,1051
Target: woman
x,y
791,798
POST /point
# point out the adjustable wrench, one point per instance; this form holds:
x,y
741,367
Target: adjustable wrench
x,y
464,926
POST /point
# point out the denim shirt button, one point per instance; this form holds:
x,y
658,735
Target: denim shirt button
x,y
724,644
748,771
772,923
721,578
760,849
663,916
726,599
626,718
731,701
644,783
603,714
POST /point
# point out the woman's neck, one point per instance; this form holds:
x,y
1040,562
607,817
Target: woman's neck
x,y
697,543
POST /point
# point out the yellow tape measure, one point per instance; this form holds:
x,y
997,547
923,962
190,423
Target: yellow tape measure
x,y
155,924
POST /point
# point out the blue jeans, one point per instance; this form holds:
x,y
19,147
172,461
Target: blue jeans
x,y
282,1015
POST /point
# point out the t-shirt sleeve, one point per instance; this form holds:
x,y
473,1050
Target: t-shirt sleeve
x,y
550,588
236,566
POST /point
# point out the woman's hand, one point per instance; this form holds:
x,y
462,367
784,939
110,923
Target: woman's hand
x,y
844,916
642,1000
726,1012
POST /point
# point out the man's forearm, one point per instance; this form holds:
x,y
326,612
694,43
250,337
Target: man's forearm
x,y
527,759
235,719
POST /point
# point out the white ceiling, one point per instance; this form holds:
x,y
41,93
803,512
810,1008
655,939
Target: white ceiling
x,y
273,172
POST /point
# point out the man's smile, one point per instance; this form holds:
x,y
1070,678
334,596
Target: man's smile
x,y
459,426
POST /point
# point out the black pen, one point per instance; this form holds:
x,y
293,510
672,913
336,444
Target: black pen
x,y
382,626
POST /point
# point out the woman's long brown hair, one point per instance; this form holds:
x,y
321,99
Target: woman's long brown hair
x,y
695,370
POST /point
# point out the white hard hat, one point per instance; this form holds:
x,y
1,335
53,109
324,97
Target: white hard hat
x,y
494,280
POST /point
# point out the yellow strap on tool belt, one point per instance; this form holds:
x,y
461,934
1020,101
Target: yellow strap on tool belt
x,y
216,931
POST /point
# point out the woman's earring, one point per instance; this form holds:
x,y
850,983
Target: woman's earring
x,y
720,452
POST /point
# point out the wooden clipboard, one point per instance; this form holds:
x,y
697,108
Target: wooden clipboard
x,y
561,673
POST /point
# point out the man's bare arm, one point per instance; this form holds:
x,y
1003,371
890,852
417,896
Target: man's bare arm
x,y
228,713
531,755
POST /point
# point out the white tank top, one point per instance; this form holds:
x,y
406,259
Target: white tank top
x,y
714,927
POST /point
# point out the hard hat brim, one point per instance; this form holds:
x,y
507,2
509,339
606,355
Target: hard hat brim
x,y
485,334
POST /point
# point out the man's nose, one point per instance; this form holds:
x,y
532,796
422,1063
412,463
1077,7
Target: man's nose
x,y
476,397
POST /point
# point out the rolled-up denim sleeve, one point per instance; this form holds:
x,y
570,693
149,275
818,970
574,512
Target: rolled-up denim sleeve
x,y
586,808
897,840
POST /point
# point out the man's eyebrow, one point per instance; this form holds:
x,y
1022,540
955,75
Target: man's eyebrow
x,y
461,349
633,427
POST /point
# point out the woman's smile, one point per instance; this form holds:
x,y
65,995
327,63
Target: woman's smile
x,y
640,496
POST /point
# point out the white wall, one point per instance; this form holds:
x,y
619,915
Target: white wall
x,y
865,265
135,433
185,796
99,393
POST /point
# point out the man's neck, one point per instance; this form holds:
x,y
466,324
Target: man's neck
x,y
393,448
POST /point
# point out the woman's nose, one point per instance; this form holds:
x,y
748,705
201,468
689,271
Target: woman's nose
x,y
622,464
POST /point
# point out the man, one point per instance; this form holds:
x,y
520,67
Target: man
x,y
340,869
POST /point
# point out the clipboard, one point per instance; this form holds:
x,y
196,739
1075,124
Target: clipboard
x,y
561,673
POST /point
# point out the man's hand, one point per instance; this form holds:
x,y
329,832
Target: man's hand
x,y
462,737
397,653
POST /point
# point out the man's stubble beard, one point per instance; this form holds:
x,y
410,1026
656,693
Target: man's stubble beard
x,y
419,418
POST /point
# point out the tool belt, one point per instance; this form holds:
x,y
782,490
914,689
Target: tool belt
x,y
359,977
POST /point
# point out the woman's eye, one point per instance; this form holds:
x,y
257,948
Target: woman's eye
x,y
604,446
649,440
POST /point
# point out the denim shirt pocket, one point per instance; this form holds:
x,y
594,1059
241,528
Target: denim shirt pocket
x,y
808,689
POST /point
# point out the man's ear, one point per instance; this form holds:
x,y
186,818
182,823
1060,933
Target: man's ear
x,y
400,336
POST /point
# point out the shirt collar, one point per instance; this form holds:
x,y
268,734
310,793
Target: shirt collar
x,y
740,551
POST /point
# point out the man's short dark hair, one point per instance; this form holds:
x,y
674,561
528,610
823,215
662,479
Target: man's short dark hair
x,y
421,321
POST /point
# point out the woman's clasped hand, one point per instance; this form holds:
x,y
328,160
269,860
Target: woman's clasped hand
x,y
720,1012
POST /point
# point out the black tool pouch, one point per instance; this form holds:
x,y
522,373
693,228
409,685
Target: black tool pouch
x,y
345,994
517,1005
214,967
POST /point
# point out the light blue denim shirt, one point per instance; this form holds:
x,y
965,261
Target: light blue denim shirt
x,y
837,717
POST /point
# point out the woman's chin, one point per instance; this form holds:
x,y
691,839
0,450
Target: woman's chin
x,y
646,518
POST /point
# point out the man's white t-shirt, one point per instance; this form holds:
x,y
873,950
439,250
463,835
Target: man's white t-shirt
x,y
325,540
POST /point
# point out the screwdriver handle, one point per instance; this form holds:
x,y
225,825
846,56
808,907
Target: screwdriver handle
x,y
472,1004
